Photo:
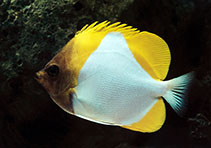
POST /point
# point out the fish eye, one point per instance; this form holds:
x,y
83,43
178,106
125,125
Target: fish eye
x,y
52,70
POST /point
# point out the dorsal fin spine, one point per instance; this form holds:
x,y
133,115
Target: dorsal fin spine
x,y
113,25
107,27
83,28
100,26
92,25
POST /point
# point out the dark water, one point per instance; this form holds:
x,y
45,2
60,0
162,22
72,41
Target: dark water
x,y
31,31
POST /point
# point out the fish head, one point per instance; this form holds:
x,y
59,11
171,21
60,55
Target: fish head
x,y
58,78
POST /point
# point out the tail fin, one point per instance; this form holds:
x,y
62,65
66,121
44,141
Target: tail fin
x,y
176,92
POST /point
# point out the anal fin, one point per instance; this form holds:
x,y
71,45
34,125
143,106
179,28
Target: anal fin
x,y
152,121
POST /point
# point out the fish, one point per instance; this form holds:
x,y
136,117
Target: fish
x,y
113,74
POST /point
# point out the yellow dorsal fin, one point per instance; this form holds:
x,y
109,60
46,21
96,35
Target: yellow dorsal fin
x,y
151,52
105,27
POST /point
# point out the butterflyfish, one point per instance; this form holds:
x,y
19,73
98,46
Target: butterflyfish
x,y
113,74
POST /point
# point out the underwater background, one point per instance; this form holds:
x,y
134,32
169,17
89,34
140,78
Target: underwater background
x,y
32,31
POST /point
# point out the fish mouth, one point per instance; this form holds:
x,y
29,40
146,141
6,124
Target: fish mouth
x,y
38,76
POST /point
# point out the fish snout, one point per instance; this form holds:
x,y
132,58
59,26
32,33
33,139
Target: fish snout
x,y
38,75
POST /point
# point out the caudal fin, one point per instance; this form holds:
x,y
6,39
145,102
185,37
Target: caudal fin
x,y
176,93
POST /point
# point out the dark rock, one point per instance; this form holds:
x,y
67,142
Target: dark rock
x,y
199,127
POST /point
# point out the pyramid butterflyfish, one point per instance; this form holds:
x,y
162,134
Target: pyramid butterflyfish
x,y
113,74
